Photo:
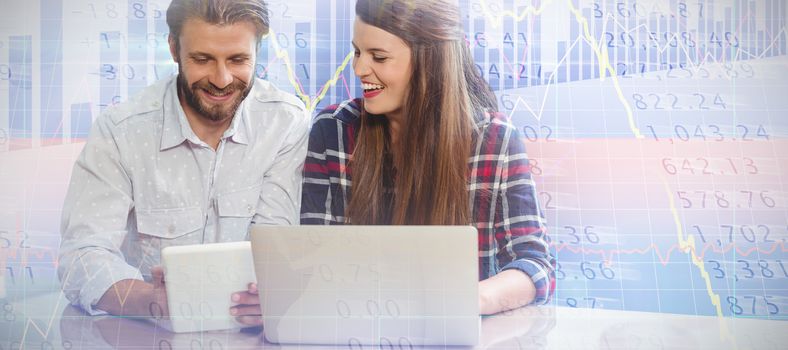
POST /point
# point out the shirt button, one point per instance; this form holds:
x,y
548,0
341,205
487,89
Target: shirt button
x,y
171,229
249,208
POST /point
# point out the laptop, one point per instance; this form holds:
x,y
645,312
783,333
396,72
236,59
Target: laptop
x,y
394,286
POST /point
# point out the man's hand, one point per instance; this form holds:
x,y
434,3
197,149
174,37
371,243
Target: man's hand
x,y
137,298
247,309
157,304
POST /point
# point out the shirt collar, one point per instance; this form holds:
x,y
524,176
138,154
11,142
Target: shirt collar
x,y
177,128
238,131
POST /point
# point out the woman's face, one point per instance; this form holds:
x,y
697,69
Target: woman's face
x,y
383,63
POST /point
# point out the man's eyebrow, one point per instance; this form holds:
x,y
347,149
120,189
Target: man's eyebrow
x,y
199,54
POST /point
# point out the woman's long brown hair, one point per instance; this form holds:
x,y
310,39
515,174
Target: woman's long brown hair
x,y
446,95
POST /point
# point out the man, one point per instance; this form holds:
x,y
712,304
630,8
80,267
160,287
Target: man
x,y
194,159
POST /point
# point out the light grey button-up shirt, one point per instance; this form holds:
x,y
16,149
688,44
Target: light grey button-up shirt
x,y
145,181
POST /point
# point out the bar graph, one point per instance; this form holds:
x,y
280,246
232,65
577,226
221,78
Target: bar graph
x,y
51,77
20,92
81,119
637,37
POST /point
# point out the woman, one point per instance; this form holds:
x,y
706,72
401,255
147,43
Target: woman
x,y
425,147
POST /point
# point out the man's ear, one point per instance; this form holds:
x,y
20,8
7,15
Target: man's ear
x,y
173,41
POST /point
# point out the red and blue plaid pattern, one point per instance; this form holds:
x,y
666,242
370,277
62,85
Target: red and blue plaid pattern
x,y
505,207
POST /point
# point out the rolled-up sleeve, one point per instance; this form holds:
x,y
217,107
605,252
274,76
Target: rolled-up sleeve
x,y
95,221
520,230
280,197
316,203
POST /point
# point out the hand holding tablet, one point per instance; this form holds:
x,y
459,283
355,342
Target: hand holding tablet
x,y
200,280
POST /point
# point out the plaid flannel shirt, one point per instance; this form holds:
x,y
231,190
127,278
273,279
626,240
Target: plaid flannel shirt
x,y
511,228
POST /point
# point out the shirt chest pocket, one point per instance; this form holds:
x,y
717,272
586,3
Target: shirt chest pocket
x,y
236,210
241,203
170,223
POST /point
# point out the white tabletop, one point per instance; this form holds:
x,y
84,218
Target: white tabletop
x,y
48,322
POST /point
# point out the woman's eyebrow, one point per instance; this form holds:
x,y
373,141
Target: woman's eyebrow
x,y
372,49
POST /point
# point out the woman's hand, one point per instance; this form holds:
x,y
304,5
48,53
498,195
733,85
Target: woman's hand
x,y
247,310
509,289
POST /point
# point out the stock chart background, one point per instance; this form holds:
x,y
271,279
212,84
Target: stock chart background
x,y
656,131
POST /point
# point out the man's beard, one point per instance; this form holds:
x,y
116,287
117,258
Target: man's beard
x,y
216,112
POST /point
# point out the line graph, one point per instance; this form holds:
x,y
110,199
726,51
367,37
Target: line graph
x,y
311,102
45,330
608,255
688,245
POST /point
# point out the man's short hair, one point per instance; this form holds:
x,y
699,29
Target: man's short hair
x,y
219,12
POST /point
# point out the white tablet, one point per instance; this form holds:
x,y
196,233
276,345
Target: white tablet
x,y
200,280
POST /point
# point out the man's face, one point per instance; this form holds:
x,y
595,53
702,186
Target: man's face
x,y
215,67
